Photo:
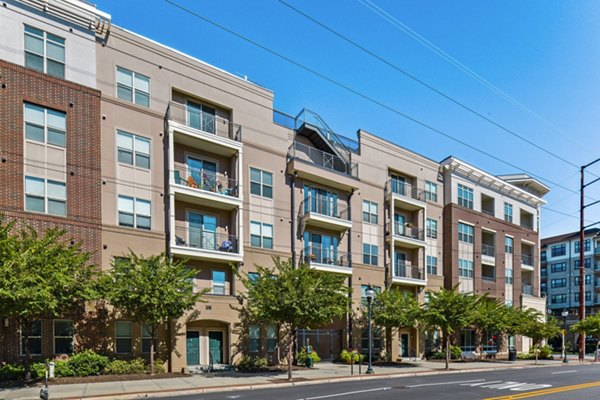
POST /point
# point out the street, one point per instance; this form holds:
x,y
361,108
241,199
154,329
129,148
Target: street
x,y
555,383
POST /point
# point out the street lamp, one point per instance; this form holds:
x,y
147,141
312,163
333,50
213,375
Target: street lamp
x,y
565,314
370,294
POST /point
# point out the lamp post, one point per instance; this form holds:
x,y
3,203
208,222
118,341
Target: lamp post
x,y
565,314
370,294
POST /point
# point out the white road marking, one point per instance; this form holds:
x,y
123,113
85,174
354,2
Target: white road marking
x,y
482,382
346,393
447,383
564,372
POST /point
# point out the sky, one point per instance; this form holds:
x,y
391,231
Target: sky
x,y
540,57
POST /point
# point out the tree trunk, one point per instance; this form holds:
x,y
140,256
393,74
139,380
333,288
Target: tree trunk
x,y
25,331
290,352
447,351
152,336
388,344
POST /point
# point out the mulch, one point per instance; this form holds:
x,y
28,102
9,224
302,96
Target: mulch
x,y
67,380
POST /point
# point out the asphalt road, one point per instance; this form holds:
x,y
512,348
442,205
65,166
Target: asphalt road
x,y
570,382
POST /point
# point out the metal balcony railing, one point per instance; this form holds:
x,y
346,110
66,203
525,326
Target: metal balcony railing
x,y
203,179
324,206
526,259
322,159
313,254
204,121
527,289
408,231
201,239
405,270
488,250
405,189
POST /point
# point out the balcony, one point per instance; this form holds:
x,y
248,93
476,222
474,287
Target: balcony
x,y
408,236
405,195
527,289
326,259
407,274
527,262
324,213
597,250
488,254
201,129
205,245
205,187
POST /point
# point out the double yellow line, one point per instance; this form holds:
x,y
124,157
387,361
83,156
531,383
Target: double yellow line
x,y
546,391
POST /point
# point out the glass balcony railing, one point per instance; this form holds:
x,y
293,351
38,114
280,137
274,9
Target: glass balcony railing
x,y
488,250
324,206
405,189
201,239
204,121
314,254
526,259
406,270
202,179
322,159
409,232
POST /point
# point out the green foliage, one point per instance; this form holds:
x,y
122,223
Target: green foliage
x,y
455,354
247,363
349,356
38,370
87,363
122,367
11,372
303,355
158,367
395,309
590,325
62,368
545,353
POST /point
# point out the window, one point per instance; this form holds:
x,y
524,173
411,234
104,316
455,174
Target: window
x,y
63,336
261,235
123,337
370,211
431,191
147,339
508,212
465,233
134,213
44,52
133,149
218,282
431,228
557,283
465,196
586,246
200,116
370,253
363,293
271,338
588,280
509,276
133,87
467,340
253,276
587,263
543,256
45,125
465,268
253,338
261,183
432,265
508,245
35,339
558,267
45,196
588,297
558,250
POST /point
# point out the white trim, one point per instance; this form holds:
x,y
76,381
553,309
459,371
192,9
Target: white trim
x,y
54,334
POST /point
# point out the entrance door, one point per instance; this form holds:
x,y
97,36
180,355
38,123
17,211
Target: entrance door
x,y
202,231
215,346
192,344
404,345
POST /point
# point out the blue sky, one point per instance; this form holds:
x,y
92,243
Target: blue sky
x,y
543,53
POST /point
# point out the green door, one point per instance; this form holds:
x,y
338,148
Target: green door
x,y
404,344
192,345
215,346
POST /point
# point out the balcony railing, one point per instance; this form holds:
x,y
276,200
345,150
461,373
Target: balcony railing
x,y
527,224
527,289
405,189
324,206
405,270
526,259
201,239
488,250
409,232
206,180
204,121
322,159
313,254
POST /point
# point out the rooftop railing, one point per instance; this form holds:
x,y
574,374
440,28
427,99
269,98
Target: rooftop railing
x,y
322,159
204,121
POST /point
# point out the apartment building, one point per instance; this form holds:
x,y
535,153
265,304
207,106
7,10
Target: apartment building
x,y
167,153
491,227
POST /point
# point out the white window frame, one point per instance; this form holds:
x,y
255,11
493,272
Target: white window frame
x,y
261,234
253,328
54,337
133,87
134,151
512,245
370,212
431,266
47,198
134,213
130,337
465,268
466,235
372,255
431,191
261,183
431,228
45,125
220,285
465,201
45,57
508,217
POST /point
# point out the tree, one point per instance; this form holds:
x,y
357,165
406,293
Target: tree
x,y
150,291
294,298
449,311
537,329
590,325
41,276
394,310
490,315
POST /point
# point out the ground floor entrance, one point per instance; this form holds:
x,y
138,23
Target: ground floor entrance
x,y
207,344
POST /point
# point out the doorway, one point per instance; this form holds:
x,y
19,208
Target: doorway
x,y
192,345
215,347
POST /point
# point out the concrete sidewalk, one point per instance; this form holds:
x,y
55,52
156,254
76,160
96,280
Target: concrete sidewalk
x,y
224,381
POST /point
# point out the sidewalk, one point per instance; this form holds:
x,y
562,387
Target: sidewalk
x,y
223,381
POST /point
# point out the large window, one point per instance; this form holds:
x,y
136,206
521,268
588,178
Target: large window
x,y
35,339
588,296
218,282
370,254
558,250
271,338
465,233
467,340
465,268
45,196
370,211
261,183
133,87
508,244
508,212
560,282
253,338
587,263
134,213
63,336
123,336
465,196
509,276
558,298
261,235
44,52
133,149
586,246
558,267
431,228
45,125
147,339
432,265
588,280
431,191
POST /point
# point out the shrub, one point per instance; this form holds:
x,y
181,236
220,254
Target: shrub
x,y
136,366
247,363
348,356
544,354
117,367
63,368
455,354
302,355
38,370
11,372
158,367
88,363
